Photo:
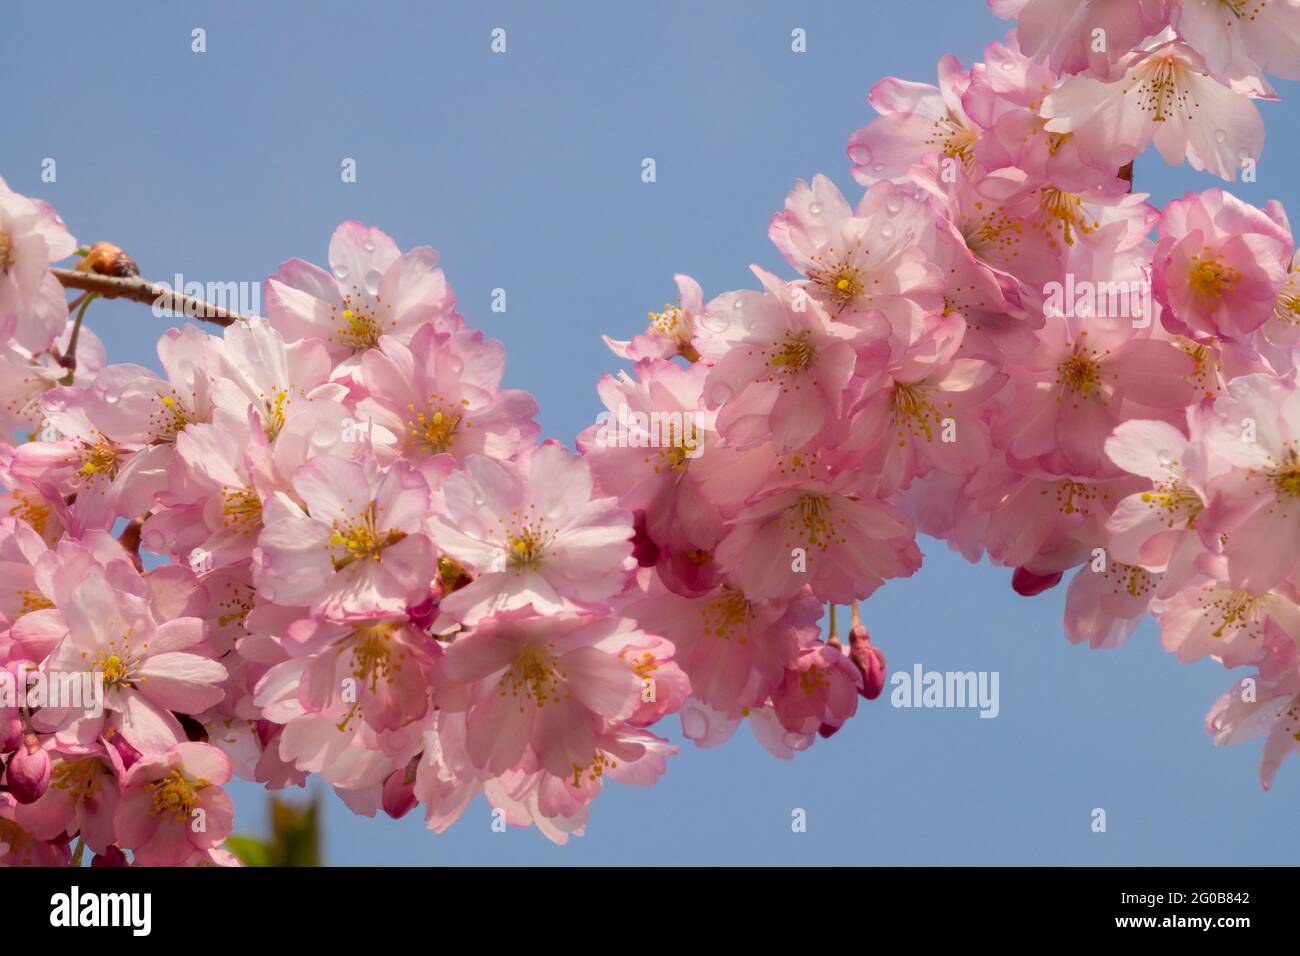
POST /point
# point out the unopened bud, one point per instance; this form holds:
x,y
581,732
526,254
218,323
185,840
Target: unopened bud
x,y
869,660
28,773
106,259
11,734
399,792
113,856
1026,583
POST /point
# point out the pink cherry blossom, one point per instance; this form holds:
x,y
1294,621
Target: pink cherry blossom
x,y
371,290
531,533
353,546
540,684
1162,95
442,395
1219,265
172,804
150,668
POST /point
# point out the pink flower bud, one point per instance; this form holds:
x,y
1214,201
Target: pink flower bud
x,y
112,857
11,734
28,773
869,660
1026,583
399,793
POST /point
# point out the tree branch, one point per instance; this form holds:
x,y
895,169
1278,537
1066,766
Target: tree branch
x,y
139,289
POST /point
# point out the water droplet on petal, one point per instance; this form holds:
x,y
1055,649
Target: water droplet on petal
x,y
879,167
368,245
340,272
1220,136
815,209
894,205
373,278
712,322
888,229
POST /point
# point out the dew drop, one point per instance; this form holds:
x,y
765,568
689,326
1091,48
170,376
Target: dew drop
x,y
815,209
712,322
373,278
340,272
888,229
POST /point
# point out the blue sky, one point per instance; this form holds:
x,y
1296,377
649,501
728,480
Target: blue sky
x,y
523,170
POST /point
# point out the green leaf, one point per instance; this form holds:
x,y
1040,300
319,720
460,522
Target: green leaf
x,y
250,850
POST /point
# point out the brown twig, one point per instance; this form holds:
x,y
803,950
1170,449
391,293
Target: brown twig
x,y
139,289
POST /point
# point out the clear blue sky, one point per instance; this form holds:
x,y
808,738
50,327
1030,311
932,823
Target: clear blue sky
x,y
523,170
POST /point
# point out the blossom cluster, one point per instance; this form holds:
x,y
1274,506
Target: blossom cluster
x,y
1001,345
327,541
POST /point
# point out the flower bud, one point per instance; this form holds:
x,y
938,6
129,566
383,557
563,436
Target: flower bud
x,y
106,259
399,792
113,856
1026,583
28,773
11,734
869,660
